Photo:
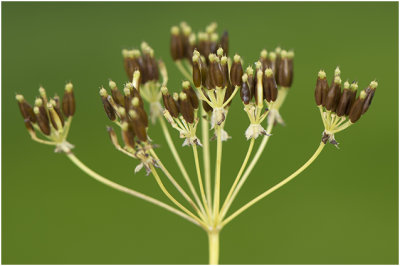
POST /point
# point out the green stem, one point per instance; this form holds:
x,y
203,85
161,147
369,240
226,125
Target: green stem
x,y
272,189
217,174
126,190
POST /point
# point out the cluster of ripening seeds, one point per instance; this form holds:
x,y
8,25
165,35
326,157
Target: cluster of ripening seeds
x,y
262,87
184,42
149,70
340,108
50,117
127,111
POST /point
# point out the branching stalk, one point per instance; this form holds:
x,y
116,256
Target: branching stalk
x,y
280,184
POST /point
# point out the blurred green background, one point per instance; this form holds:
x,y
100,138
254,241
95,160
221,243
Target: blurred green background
x,y
341,210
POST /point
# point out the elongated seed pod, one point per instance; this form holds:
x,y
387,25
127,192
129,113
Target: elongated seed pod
x,y
352,97
264,59
177,49
173,107
344,100
25,109
165,94
285,74
56,108
225,72
140,110
319,87
42,121
370,95
191,94
128,135
333,94
107,105
356,109
244,90
206,106
139,127
236,71
116,93
224,42
68,101
187,110
196,71
250,81
272,63
269,86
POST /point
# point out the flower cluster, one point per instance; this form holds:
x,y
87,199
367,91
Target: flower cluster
x,y
50,117
340,108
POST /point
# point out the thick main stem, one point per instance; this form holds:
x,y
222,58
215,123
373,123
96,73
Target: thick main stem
x,y
280,184
180,164
213,244
126,190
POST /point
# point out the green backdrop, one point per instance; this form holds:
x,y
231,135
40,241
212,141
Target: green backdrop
x,y
343,209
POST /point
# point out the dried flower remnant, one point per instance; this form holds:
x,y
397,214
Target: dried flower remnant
x,y
340,108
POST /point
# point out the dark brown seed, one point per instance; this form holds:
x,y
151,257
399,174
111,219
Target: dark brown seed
x,y
25,109
318,94
128,135
244,90
285,73
196,72
272,63
140,110
58,111
333,95
269,86
224,42
172,106
116,94
139,127
370,95
29,126
225,71
68,101
206,106
187,110
352,97
43,121
191,94
356,109
236,71
344,100
107,105
177,49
